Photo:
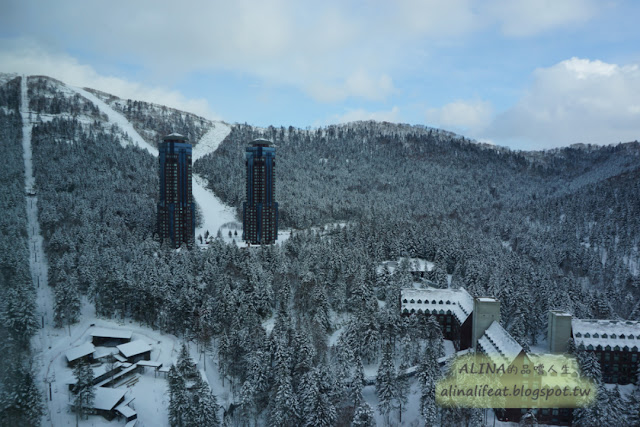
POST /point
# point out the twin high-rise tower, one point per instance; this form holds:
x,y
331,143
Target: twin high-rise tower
x,y
260,210
176,209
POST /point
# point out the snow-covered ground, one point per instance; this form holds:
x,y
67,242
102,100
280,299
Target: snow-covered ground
x,y
150,392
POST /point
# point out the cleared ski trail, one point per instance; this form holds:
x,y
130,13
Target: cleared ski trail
x,y
37,258
119,119
211,140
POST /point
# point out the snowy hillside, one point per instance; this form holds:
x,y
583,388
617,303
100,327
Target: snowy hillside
x,y
153,121
309,331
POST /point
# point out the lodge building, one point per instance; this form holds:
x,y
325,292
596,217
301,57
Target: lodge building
x,y
474,323
451,307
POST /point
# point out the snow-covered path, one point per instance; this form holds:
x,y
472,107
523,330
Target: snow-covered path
x,y
37,259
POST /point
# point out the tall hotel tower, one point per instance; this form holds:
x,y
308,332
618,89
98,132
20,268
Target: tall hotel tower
x,y
176,210
260,211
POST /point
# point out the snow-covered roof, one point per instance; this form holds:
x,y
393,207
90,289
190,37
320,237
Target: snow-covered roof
x,y
80,351
125,410
111,333
499,345
174,137
106,398
102,352
431,300
134,348
621,333
415,264
149,363
120,374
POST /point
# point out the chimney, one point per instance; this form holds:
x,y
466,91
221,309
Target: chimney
x,y
559,331
486,310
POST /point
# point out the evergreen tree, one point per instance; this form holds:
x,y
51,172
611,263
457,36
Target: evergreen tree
x,y
67,303
84,389
205,405
363,416
386,385
317,408
402,390
632,410
20,399
19,314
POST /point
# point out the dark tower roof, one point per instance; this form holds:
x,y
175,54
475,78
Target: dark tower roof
x,y
261,142
175,137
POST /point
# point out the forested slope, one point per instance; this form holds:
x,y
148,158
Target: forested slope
x,y
20,401
530,227
537,230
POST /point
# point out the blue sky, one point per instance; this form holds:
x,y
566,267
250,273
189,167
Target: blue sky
x,y
523,74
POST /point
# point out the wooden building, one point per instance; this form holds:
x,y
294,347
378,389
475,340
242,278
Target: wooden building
x,y
135,351
81,352
104,337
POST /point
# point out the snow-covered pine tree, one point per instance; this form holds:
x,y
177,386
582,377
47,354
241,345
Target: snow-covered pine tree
x,y
67,303
357,382
402,390
363,416
205,406
178,399
317,408
386,384
84,389
283,406
632,407
19,313
20,399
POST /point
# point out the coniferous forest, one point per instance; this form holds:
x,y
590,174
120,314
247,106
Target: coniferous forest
x,y
558,229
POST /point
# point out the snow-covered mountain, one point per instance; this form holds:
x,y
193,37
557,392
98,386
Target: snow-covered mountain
x,y
297,331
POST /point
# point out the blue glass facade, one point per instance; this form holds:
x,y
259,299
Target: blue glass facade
x,y
176,209
260,210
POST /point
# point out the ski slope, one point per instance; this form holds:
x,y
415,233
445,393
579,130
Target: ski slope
x,y
214,212
211,140
119,119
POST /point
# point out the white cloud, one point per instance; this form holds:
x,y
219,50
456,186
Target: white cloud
x,y
520,18
25,57
469,117
576,100
320,48
392,116
359,84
